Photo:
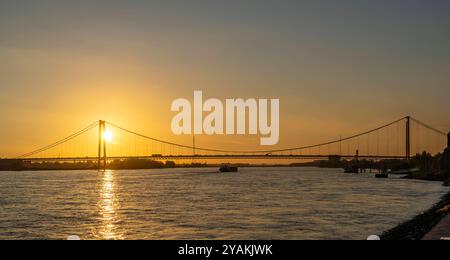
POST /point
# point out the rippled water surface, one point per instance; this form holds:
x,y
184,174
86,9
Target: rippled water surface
x,y
256,203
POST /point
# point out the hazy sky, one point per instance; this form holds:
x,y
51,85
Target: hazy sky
x,y
338,67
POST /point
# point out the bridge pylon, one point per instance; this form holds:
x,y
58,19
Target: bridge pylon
x,y
408,137
101,145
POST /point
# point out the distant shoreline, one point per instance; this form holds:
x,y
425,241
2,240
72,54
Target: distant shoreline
x,y
129,164
176,167
135,164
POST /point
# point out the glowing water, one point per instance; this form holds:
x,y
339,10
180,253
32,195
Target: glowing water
x,y
256,203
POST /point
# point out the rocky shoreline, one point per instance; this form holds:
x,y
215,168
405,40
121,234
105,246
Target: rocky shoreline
x,y
418,227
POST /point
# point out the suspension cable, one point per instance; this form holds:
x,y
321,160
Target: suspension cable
x,y
256,151
42,149
429,127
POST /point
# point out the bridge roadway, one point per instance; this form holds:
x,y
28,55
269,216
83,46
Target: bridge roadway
x,y
218,157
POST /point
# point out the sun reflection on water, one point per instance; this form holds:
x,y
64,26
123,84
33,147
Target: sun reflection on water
x,y
107,207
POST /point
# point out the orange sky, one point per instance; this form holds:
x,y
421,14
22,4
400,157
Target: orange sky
x,y
64,69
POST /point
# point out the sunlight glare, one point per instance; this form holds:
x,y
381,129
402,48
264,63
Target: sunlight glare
x,y
108,136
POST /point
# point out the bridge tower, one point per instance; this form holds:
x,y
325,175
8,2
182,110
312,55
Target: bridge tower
x,y
408,137
101,145
193,144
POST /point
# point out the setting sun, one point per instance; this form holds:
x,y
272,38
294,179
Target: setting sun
x,y
107,136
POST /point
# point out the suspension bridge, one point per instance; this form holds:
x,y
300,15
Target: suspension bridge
x,y
399,139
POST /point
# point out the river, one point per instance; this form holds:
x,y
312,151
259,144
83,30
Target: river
x,y
256,203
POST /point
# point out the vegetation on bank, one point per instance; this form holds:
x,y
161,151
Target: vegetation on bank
x,y
430,168
19,165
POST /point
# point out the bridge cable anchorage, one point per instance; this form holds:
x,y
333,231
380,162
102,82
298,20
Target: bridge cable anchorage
x,y
62,141
258,151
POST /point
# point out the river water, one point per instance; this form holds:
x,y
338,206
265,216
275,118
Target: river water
x,y
256,203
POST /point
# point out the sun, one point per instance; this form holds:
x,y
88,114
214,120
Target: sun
x,y
107,136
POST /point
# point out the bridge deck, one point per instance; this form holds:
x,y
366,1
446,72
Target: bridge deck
x,y
216,157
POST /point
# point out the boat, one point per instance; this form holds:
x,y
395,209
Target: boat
x,y
228,168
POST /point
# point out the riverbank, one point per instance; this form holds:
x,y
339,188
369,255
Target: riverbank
x,y
418,227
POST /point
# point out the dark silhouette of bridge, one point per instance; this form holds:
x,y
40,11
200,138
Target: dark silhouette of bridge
x,y
399,139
